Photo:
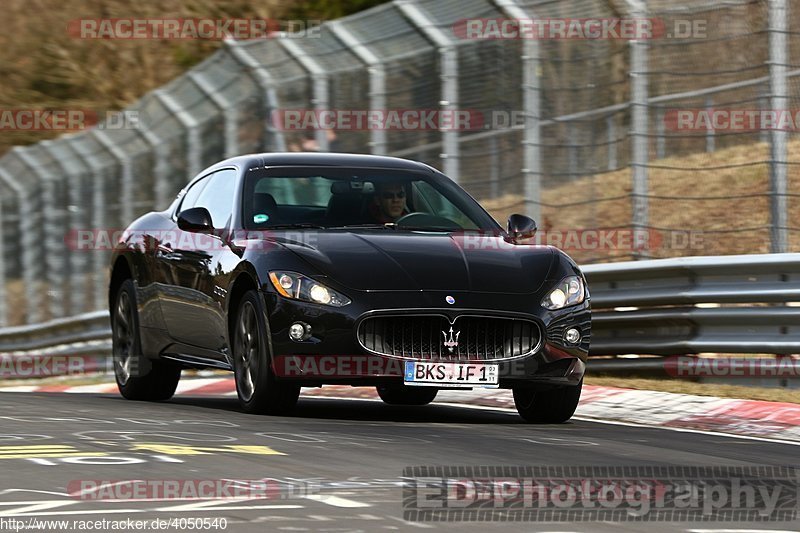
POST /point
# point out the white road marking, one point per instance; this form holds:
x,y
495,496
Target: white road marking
x,y
336,501
38,506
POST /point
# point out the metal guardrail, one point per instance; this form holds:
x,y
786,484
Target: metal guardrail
x,y
691,305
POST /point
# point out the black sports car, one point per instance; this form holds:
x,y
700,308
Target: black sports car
x,y
297,270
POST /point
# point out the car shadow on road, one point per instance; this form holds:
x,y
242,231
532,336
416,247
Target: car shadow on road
x,y
366,411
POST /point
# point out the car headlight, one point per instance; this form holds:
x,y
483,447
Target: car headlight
x,y
299,287
569,291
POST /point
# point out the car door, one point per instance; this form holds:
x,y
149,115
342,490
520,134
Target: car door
x,y
193,301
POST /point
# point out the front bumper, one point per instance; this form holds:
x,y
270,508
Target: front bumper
x,y
333,355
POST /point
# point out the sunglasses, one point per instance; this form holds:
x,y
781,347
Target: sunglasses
x,y
388,195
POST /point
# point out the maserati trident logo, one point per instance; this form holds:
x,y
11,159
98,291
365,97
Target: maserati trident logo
x,y
451,342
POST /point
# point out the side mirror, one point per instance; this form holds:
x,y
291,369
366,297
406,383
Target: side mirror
x,y
520,228
195,220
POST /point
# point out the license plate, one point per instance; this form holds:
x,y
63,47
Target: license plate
x,y
450,375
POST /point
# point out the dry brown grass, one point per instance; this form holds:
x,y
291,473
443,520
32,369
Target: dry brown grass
x,y
705,217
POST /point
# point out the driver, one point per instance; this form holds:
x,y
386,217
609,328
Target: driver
x,y
389,202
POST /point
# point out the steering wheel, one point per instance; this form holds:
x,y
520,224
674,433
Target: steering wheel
x,y
427,220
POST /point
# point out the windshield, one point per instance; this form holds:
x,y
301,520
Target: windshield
x,y
350,198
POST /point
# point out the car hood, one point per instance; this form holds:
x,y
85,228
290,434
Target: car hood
x,y
388,260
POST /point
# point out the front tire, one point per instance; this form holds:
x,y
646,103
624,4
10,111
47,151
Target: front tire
x,y
138,378
553,406
259,391
403,395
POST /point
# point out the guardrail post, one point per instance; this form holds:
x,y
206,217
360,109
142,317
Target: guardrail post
x,y
448,60
639,123
193,142
264,80
377,80
532,107
53,239
30,259
319,80
778,61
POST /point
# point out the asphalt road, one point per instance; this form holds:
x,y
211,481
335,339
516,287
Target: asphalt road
x,y
338,463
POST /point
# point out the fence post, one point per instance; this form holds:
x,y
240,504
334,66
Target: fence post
x,y
226,107
76,259
448,60
531,101
194,150
30,259
264,80
99,223
639,124
778,60
611,136
319,80
3,294
661,134
377,80
53,238
127,173
711,141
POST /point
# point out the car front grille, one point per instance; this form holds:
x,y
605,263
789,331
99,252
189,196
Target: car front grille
x,y
424,337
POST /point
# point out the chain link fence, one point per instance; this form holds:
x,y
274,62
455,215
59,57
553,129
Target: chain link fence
x,y
587,135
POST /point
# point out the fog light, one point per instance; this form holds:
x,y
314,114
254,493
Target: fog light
x,y
572,336
298,331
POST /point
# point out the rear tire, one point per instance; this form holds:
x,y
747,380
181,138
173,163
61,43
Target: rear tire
x,y
553,406
403,395
138,378
259,391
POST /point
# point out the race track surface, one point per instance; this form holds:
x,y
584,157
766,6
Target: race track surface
x,y
353,450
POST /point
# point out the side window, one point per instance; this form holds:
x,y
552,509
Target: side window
x,y
191,196
217,197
